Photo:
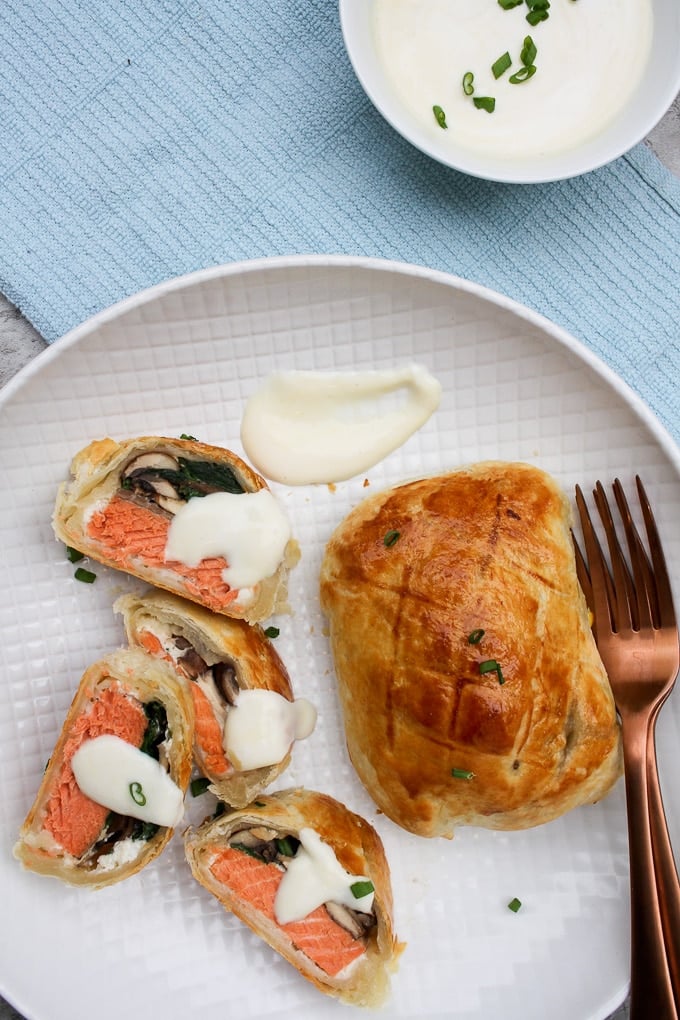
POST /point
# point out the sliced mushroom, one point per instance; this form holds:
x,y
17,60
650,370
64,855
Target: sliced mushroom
x,y
226,681
192,663
355,922
150,462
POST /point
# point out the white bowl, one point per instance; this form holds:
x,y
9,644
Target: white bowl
x,y
653,96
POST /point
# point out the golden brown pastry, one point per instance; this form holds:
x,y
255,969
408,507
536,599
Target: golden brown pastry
x,y
243,858
131,697
217,658
123,501
470,683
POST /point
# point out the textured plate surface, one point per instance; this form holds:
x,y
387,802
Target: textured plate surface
x,y
184,357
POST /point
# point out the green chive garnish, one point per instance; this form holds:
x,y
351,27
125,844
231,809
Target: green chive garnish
x,y
475,637
487,103
491,666
439,116
259,803
73,555
536,16
501,65
507,5
468,83
529,51
84,575
137,793
462,774
185,435
285,847
272,632
523,74
391,537
514,904
199,786
359,889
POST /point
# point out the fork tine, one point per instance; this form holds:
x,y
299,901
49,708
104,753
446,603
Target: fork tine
x,y
600,586
645,585
624,602
663,585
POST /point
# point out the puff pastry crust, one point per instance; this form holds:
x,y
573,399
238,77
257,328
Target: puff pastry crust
x,y
485,548
67,836
83,508
359,850
202,646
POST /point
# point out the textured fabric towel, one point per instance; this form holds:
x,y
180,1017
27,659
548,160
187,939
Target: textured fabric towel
x,y
142,139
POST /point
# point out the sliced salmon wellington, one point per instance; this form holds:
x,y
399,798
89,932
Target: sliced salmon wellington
x,y
260,860
69,835
318,936
216,658
128,503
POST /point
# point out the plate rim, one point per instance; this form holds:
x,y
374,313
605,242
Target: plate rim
x,y
146,295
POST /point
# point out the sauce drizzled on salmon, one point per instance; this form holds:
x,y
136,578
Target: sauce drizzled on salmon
x,y
72,819
330,946
128,531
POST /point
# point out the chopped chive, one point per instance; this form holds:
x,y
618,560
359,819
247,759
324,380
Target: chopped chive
x,y
501,65
391,537
285,847
462,774
86,576
199,786
529,51
259,803
514,904
468,83
507,5
524,73
359,889
475,637
74,555
439,116
534,17
137,793
491,666
272,632
487,103
185,435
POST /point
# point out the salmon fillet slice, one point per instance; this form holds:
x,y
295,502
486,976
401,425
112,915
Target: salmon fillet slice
x,y
72,819
127,532
318,936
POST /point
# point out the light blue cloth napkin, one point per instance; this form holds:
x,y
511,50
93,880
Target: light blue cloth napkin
x,y
142,139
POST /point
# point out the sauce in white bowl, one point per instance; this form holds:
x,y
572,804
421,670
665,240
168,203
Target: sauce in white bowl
x,y
595,115
590,56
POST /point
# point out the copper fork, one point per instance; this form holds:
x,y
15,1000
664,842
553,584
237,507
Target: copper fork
x,y
637,637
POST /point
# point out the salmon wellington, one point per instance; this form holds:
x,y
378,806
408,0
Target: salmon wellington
x,y
113,790
310,877
190,518
246,719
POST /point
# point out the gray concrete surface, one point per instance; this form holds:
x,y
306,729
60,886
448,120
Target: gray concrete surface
x,y
20,343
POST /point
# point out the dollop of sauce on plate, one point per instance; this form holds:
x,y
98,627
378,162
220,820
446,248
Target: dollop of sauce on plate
x,y
590,57
302,427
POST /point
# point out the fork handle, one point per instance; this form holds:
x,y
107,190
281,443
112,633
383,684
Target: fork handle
x,y
651,992
665,870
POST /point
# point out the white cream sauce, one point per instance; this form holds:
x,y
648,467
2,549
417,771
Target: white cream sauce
x,y
591,56
122,778
261,727
302,428
248,529
315,876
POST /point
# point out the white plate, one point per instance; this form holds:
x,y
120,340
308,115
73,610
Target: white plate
x,y
183,357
